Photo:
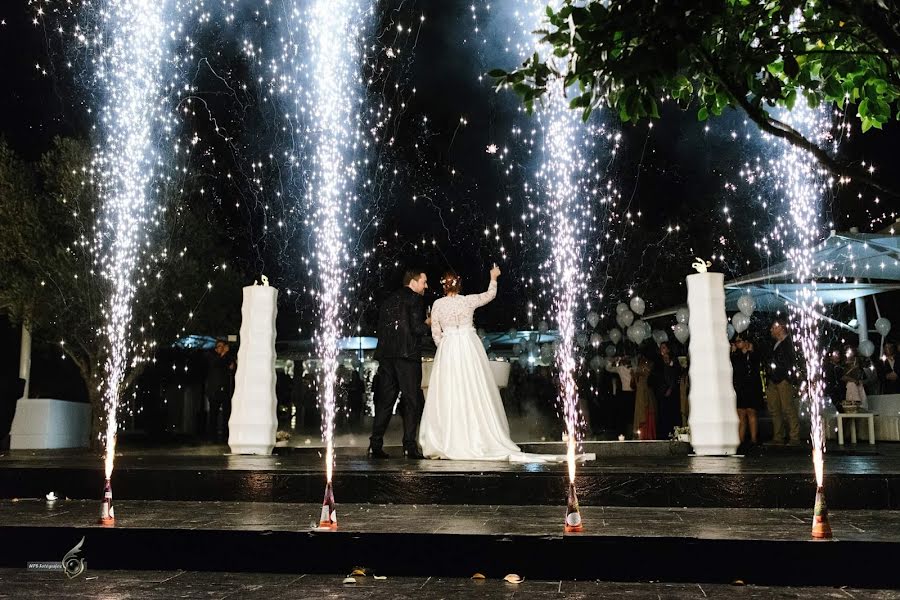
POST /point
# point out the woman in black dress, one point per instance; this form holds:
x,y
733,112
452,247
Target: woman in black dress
x,y
747,386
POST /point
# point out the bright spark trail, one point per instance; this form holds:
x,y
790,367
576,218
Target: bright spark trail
x,y
323,46
129,72
800,180
566,182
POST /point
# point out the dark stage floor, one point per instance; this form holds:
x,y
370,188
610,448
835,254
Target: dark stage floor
x,y
166,585
768,478
625,544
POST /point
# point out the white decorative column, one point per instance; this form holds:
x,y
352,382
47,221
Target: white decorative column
x,y
254,421
713,418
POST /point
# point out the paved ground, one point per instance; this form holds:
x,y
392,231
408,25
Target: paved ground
x,y
166,585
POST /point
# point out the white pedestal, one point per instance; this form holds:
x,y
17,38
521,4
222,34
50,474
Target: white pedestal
x,y
42,423
713,419
254,421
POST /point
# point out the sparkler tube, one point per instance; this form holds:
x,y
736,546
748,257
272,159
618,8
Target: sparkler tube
x,y
821,528
107,515
328,520
573,512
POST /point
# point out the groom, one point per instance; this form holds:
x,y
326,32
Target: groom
x,y
401,327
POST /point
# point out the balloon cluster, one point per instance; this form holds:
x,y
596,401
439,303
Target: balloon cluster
x,y
740,321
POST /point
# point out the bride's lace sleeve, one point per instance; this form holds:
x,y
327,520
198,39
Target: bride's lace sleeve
x,y
436,331
476,300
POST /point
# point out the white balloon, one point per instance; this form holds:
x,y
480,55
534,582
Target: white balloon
x,y
517,349
634,334
746,304
523,360
481,332
615,335
581,339
682,333
512,333
597,363
645,326
532,346
610,350
543,327
596,338
487,344
660,336
730,331
546,351
593,318
638,305
621,307
683,315
883,326
627,318
866,348
620,322
740,321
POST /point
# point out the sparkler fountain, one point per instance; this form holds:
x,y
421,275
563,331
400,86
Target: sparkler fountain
x,y
332,29
129,68
800,177
564,177
559,174
799,180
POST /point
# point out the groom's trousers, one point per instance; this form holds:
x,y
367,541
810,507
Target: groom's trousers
x,y
403,376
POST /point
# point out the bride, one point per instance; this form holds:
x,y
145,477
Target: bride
x,y
464,417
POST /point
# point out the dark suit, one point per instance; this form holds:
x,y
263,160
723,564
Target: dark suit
x,y
401,327
888,386
780,392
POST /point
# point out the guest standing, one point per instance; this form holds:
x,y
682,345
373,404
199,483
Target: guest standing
x,y
747,387
779,389
666,391
623,395
644,400
889,371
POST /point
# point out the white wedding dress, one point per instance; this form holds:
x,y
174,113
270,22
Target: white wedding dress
x,y
464,417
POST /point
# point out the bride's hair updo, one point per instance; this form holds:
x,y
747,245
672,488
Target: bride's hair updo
x,y
451,282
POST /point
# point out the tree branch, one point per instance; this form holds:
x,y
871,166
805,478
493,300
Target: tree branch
x,y
784,131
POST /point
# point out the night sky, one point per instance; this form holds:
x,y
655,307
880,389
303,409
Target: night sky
x,y
672,174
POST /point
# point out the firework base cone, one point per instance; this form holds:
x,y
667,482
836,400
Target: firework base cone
x,y
328,520
821,528
107,514
573,512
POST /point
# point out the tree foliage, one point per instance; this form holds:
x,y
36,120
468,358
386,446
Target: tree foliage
x,y
48,265
711,54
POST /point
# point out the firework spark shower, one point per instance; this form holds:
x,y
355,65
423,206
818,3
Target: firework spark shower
x,y
802,185
129,74
323,46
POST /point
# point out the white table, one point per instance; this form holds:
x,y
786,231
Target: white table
x,y
852,416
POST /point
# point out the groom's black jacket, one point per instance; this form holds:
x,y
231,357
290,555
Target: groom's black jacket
x,y
401,326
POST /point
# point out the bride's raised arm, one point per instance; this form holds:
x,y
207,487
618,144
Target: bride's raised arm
x,y
476,300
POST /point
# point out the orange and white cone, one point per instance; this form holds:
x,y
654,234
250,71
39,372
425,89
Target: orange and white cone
x,y
328,520
821,528
107,515
573,513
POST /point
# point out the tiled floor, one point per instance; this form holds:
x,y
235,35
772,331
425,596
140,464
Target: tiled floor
x,y
700,523
166,585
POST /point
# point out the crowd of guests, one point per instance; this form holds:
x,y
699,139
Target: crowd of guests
x,y
645,396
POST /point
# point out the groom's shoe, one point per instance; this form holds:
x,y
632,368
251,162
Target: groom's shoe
x,y
377,453
413,453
